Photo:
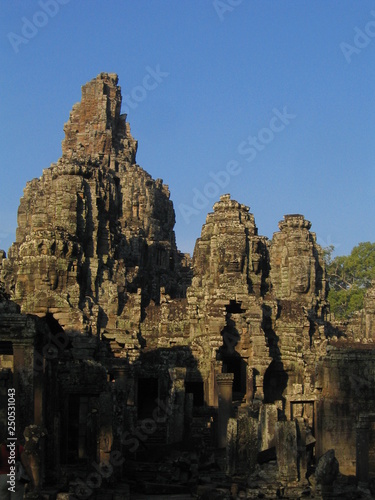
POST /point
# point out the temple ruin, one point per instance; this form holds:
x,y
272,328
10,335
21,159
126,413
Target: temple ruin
x,y
146,369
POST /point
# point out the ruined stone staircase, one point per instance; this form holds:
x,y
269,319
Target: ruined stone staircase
x,y
152,439
201,431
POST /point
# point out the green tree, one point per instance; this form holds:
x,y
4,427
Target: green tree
x,y
349,276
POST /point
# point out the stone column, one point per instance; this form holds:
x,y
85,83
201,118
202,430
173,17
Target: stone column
x,y
301,449
249,384
212,398
34,435
268,419
23,379
38,396
225,385
319,428
286,451
175,430
362,449
105,437
119,411
121,375
231,452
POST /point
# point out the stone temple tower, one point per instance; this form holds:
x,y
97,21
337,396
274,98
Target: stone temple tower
x,y
95,240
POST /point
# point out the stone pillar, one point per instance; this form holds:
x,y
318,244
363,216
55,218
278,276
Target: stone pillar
x,y
288,410
38,396
121,375
105,440
34,435
132,390
286,451
319,428
231,452
258,383
362,449
225,384
175,430
23,379
247,443
268,419
212,398
301,449
249,384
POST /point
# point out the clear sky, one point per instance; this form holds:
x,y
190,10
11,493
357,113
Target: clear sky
x,y
279,94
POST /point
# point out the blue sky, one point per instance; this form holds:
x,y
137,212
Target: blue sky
x,y
226,69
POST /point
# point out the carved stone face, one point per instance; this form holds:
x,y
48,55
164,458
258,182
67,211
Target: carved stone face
x,y
299,274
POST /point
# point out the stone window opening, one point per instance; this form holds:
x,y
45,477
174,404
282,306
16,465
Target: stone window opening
x,y
197,389
230,333
6,355
234,307
274,383
304,409
236,365
304,413
227,353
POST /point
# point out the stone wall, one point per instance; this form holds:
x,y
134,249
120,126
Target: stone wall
x,y
347,383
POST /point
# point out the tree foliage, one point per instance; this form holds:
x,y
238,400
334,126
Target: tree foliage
x,y
349,276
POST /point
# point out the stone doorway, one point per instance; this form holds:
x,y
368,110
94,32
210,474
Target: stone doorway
x,y
197,390
147,396
365,456
305,410
79,429
236,365
274,383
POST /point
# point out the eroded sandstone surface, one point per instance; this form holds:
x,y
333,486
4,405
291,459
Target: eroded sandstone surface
x,y
95,239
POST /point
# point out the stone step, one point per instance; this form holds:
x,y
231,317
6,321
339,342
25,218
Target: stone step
x,y
142,496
